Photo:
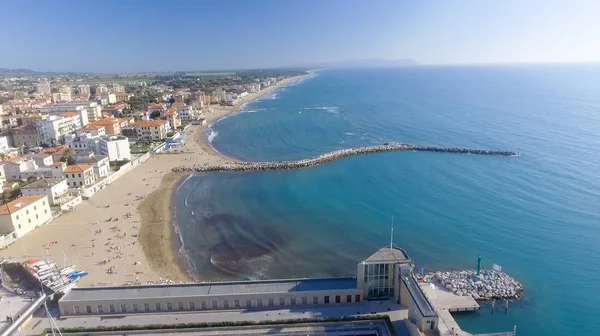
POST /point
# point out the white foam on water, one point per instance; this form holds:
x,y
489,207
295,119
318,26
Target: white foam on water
x,y
212,135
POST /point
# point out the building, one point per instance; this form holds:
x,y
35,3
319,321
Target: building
x,y
100,163
91,108
26,136
42,159
5,142
54,128
173,118
122,96
112,125
152,130
79,175
117,88
64,94
116,148
80,117
110,97
57,152
56,190
160,108
15,167
385,275
43,87
185,112
92,130
24,214
83,89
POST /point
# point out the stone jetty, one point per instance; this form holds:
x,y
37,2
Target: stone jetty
x,y
488,285
336,155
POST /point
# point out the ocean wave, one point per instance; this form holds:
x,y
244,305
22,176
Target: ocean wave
x,y
330,109
212,135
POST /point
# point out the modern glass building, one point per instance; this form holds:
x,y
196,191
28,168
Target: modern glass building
x,y
379,275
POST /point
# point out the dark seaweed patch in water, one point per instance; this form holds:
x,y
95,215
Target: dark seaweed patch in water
x,y
239,245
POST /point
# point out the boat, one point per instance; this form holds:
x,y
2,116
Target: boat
x,y
77,274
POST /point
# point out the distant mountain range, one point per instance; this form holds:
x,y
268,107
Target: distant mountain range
x,y
16,71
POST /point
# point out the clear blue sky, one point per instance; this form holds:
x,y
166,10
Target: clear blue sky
x,y
149,35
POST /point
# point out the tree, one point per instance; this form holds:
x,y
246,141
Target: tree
x,y
19,95
3,156
68,156
155,115
31,179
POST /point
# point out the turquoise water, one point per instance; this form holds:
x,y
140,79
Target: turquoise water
x,y
537,215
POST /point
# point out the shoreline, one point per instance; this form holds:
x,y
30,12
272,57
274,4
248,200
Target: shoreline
x,y
186,269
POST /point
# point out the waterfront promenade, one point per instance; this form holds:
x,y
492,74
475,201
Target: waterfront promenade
x,y
336,155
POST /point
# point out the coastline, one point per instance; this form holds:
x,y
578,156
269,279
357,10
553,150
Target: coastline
x,y
140,243
171,258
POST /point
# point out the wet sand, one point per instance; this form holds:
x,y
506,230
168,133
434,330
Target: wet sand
x,y
142,247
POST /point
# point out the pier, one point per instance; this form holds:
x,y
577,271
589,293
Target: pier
x,y
336,155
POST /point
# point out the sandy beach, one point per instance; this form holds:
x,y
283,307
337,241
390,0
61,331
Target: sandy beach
x,y
139,248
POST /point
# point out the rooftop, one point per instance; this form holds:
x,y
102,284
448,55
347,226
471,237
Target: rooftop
x,y
92,159
77,168
18,204
90,127
44,182
70,114
209,289
388,254
149,123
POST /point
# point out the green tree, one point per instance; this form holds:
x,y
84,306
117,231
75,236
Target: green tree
x,y
68,156
155,115
3,156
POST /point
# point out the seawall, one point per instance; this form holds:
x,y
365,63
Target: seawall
x,y
336,155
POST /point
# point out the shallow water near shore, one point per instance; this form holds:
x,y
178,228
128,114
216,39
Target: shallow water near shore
x,y
537,215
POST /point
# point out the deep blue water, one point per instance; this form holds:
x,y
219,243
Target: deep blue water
x,y
537,215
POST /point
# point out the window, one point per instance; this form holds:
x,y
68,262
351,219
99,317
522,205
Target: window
x,y
304,300
282,301
248,303
100,309
214,304
327,299
79,174
80,183
35,206
17,217
45,211
236,303
259,302
73,175
338,299
146,307
348,298
27,212
36,216
76,310
180,305
192,305
169,306
293,301
203,304
357,298
88,309
124,308
135,307
29,220
111,308
19,226
225,304
157,306
271,302
315,300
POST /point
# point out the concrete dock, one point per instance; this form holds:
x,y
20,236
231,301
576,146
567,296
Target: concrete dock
x,y
445,302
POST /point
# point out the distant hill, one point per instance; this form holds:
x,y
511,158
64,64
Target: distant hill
x,y
16,71
364,63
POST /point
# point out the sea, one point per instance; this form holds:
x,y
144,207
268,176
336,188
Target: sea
x,y
536,215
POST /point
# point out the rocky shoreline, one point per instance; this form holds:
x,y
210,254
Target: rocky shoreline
x,y
488,285
335,155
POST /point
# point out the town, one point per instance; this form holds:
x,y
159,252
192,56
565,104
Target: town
x,y
66,136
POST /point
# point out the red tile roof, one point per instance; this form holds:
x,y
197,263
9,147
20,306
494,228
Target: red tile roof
x,y
19,204
150,123
77,168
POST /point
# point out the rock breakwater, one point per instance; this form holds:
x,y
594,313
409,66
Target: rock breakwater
x,y
488,285
335,155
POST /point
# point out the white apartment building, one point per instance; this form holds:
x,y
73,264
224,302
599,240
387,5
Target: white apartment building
x,y
57,190
5,144
43,87
83,143
79,175
152,130
92,108
186,113
110,98
42,159
24,214
100,163
115,147
54,128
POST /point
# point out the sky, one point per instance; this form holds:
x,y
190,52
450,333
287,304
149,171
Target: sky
x,y
150,35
